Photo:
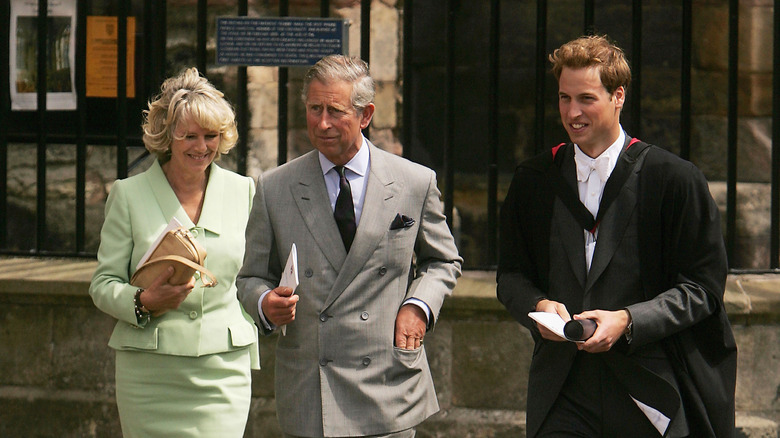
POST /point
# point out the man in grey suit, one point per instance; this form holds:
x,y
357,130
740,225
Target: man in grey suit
x,y
375,260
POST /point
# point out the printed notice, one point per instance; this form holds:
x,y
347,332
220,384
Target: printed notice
x,y
102,37
290,275
279,42
23,54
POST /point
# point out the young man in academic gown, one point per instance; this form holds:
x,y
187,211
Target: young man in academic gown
x,y
611,229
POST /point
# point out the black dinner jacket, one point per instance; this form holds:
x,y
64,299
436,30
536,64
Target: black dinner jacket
x,y
659,253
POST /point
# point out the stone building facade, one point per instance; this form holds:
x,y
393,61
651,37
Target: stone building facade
x,y
660,103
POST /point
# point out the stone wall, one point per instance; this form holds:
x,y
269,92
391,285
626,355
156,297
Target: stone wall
x,y
57,372
754,129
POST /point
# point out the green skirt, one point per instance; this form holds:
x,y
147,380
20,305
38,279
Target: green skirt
x,y
179,396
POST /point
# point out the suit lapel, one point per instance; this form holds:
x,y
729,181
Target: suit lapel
x,y
311,198
571,232
615,219
166,199
379,209
216,196
611,230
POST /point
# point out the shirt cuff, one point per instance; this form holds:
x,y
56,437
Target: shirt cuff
x,y
421,304
266,323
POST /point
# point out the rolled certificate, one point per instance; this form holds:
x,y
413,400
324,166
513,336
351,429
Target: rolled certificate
x,y
579,329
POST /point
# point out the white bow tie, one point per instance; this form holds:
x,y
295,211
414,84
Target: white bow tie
x,y
586,165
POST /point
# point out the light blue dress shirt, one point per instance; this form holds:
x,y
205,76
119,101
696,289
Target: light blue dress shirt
x,y
357,175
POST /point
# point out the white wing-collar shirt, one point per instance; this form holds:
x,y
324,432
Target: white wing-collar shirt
x,y
592,175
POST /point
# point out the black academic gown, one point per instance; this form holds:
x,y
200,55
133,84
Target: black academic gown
x,y
660,254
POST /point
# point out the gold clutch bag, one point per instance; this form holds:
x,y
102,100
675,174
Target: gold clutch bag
x,y
179,249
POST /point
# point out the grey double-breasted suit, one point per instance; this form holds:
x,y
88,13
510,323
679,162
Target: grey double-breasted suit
x,y
337,370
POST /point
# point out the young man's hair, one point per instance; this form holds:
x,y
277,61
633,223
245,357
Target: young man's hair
x,y
594,51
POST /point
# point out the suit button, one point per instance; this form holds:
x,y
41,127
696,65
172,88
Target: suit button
x,y
193,314
194,232
382,270
323,317
324,362
366,361
308,273
364,316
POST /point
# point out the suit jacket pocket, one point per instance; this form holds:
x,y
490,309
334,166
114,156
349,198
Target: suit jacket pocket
x,y
407,367
409,358
127,337
242,335
401,237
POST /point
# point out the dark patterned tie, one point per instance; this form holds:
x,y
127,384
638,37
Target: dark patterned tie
x,y
344,213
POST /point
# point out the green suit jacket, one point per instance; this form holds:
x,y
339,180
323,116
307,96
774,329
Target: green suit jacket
x,y
210,320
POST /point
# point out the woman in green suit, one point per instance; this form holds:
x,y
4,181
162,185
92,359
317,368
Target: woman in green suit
x,y
183,351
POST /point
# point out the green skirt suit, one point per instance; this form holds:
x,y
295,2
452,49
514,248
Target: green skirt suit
x,y
186,373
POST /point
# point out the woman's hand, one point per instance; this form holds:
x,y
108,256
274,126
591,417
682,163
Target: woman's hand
x,y
161,296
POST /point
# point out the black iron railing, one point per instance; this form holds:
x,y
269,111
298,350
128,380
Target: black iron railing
x,y
35,127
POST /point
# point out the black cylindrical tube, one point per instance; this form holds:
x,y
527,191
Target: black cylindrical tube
x,y
579,329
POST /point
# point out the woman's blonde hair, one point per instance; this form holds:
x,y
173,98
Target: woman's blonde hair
x,y
188,95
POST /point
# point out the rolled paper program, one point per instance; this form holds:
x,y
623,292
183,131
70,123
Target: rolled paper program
x,y
579,329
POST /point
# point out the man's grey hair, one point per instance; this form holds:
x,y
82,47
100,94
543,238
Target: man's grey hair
x,y
343,68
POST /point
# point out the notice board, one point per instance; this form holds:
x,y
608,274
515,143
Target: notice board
x,y
280,42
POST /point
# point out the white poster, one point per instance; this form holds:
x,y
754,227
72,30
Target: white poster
x,y
61,48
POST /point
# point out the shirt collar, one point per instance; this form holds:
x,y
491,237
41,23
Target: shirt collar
x,y
358,164
611,154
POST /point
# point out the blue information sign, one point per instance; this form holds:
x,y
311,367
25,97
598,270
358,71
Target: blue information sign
x,y
281,42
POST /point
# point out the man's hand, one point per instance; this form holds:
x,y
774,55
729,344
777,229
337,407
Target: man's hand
x,y
611,326
551,307
161,296
279,306
410,326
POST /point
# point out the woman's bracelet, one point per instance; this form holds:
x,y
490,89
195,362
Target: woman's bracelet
x,y
142,314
